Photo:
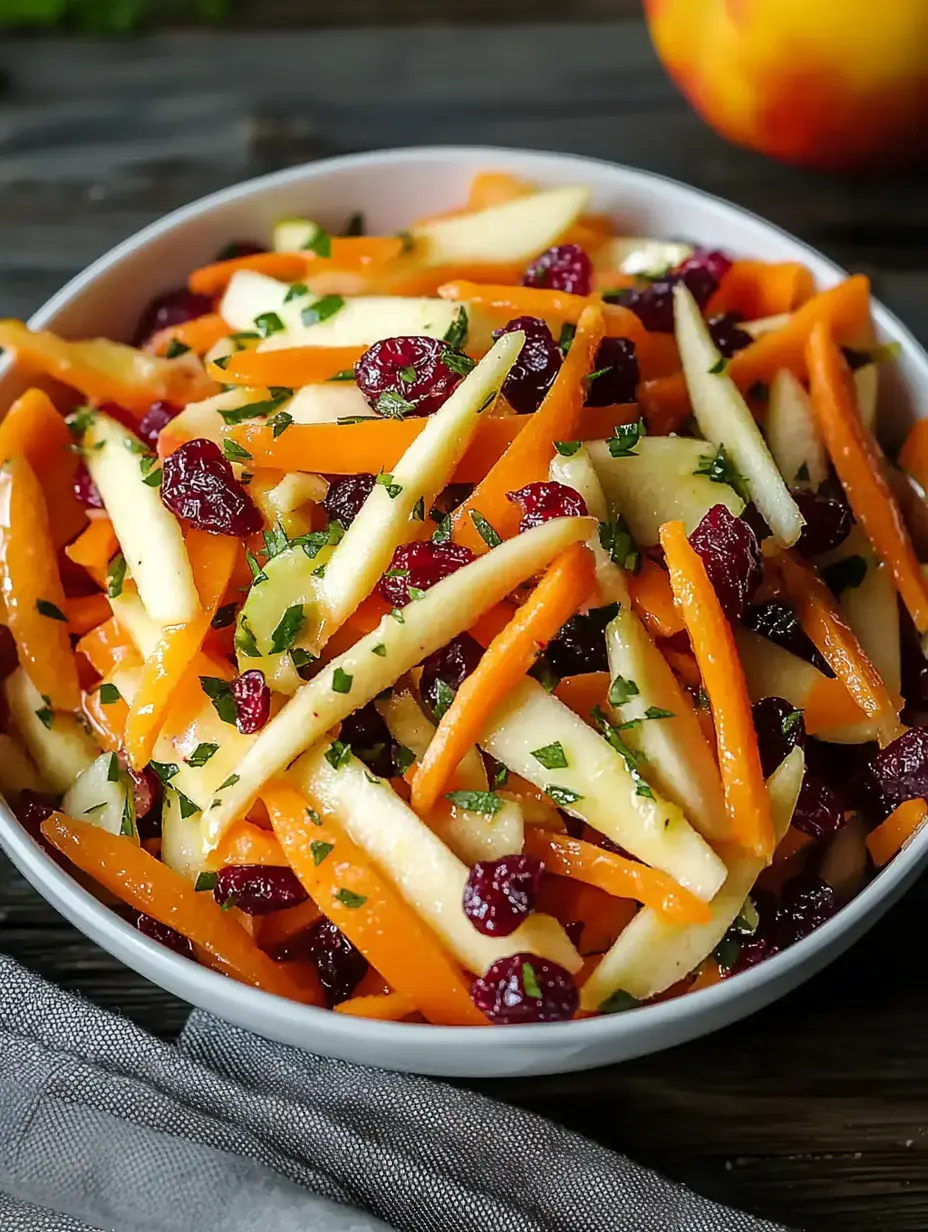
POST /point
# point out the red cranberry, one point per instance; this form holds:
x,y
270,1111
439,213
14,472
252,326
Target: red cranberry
x,y
34,807
544,500
574,931
9,658
448,668
401,377
173,308
85,489
617,364
340,965
653,305
779,623
114,411
565,267
146,797
370,739
900,771
580,644
914,665
753,951
806,904
198,485
164,935
727,333
702,272
538,364
819,810
828,522
729,549
157,417
346,495
419,566
258,889
500,893
252,701
236,249
525,988
780,728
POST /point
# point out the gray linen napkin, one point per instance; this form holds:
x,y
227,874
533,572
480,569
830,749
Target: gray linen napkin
x,y
105,1127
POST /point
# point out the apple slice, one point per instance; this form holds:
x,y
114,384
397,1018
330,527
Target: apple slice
x,y
598,785
677,754
429,876
56,742
18,772
867,381
100,795
577,471
792,435
765,325
380,658
295,234
182,846
148,533
725,419
660,482
637,254
651,954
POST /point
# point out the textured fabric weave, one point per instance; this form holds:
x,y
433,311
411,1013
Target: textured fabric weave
x,y
104,1127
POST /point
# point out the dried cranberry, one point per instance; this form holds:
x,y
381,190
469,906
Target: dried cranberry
x,y
702,272
729,549
85,489
198,485
543,500
164,935
34,807
653,305
509,992
780,728
370,739
341,967
779,623
122,416
574,930
565,267
580,644
500,893
146,795
828,522
914,664
400,377
448,668
9,657
727,333
346,495
157,417
538,364
419,566
900,771
252,700
807,902
258,889
173,308
615,373
236,249
819,810
753,951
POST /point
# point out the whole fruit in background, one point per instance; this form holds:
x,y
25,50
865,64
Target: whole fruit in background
x,y
834,86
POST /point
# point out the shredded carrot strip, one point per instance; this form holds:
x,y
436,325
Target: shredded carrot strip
x,y
746,802
913,456
199,335
567,583
653,600
34,428
108,721
709,974
279,927
246,843
829,706
583,693
519,301
896,831
683,666
858,461
290,367
148,885
792,843
528,457
85,613
94,549
393,1007
623,878
489,188
106,647
350,253
356,897
759,289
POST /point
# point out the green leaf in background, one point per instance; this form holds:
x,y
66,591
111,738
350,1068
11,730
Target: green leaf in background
x,y
110,16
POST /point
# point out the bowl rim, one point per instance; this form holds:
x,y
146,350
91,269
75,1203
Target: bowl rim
x,y
221,992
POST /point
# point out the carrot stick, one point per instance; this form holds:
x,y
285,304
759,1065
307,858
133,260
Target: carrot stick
x,y
246,843
759,289
375,444
199,335
844,308
31,587
86,612
746,801
148,885
280,927
583,693
858,461
913,456
107,720
528,457
623,878
350,253
830,706
791,844
568,581
212,558
653,600
354,895
489,188
683,666
899,828
290,367
94,549
107,647
710,974
519,301
34,428
838,645
393,1007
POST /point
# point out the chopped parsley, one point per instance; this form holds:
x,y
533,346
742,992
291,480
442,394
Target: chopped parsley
x,y
444,696
46,715
350,899
616,539
625,437
486,802
719,468
322,309
230,781
175,348
442,532
393,405
347,374
201,755
622,690
611,735
296,291
257,410
280,423
206,881
245,641
567,335
484,529
551,756
403,758
719,366
530,981
567,449
116,575
165,770
320,850
618,1001
320,242
338,754
418,510
220,694
386,481
109,695
112,769
341,681
380,649
187,806
235,452
45,608
355,224
268,323
289,629
562,796
802,475
460,364
456,333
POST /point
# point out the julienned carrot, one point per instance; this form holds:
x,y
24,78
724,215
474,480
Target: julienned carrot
x,y
567,583
246,843
199,335
844,308
349,253
836,642
519,301
583,693
489,188
375,444
212,558
31,587
572,857
683,666
290,367
709,975
829,706
34,428
759,289
746,801
653,600
791,844
107,647
95,548
354,895
145,883
276,929
858,461
528,457
86,612
913,456
393,1007
899,828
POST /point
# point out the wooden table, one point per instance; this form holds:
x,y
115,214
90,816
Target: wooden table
x,y
815,1111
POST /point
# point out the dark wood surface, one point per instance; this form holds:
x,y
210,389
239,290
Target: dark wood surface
x,y
815,1111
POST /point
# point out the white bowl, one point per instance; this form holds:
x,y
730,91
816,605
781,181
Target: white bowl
x,y
394,187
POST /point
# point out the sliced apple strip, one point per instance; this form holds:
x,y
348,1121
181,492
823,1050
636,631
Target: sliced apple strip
x,y
381,657
182,846
427,874
56,742
101,795
792,436
636,254
867,381
668,734
599,785
148,533
18,773
725,419
651,954
577,471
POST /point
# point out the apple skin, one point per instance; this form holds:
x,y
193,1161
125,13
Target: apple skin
x,y
840,87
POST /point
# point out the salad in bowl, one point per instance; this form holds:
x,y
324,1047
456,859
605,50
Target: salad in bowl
x,y
505,621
